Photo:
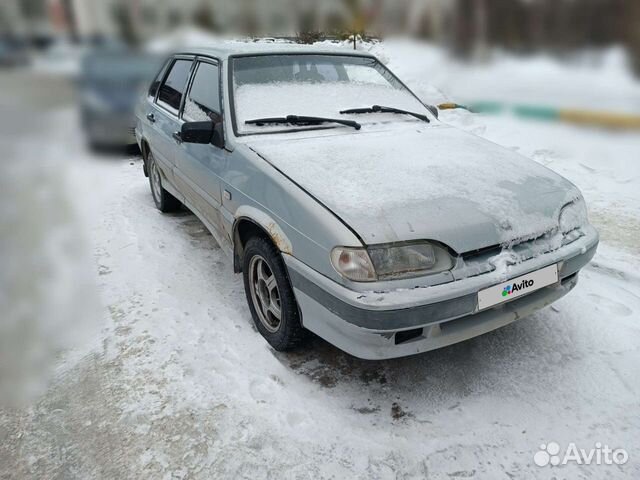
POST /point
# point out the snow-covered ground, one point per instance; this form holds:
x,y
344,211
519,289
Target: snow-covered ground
x,y
176,382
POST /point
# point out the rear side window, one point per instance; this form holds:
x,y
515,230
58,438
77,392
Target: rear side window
x,y
172,89
203,101
155,85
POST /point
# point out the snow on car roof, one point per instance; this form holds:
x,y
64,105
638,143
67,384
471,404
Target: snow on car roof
x,y
224,50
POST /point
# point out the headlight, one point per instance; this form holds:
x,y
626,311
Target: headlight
x,y
353,263
410,260
388,261
573,216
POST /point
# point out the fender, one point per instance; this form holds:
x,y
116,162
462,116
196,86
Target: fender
x,y
266,223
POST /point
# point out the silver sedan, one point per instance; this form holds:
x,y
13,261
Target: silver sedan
x,y
348,207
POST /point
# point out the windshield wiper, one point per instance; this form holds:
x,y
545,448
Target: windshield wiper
x,y
380,109
302,120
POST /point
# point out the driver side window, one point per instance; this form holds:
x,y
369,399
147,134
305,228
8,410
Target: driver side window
x,y
203,100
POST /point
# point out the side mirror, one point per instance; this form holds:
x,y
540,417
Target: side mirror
x,y
197,132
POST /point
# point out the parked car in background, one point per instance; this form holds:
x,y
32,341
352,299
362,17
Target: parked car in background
x,y
109,85
13,52
350,210
60,57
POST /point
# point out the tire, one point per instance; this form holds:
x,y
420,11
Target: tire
x,y
283,333
163,199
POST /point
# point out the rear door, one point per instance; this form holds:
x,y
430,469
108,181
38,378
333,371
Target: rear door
x,y
199,167
163,116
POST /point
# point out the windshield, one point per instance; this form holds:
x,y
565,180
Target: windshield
x,y
319,85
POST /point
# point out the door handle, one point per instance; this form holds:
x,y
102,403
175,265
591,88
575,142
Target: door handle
x,y
177,137
151,117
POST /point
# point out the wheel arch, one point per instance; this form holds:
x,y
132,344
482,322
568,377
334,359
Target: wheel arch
x,y
251,222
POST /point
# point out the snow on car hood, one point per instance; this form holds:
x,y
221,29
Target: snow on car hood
x,y
409,181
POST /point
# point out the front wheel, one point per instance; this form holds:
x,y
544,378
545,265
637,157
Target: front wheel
x,y
273,306
163,199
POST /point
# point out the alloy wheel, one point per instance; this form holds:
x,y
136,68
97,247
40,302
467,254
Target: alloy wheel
x,y
265,294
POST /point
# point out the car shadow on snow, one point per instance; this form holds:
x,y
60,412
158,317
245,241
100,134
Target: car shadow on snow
x,y
503,362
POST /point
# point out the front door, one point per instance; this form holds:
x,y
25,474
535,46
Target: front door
x,y
198,166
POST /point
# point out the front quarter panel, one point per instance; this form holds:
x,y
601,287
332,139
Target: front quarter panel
x,y
298,224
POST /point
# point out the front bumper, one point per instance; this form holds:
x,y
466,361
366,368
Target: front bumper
x,y
369,325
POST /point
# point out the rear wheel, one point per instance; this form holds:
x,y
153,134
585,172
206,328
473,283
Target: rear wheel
x,y
163,199
271,300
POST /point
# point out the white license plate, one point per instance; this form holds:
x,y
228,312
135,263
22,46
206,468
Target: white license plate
x,y
517,287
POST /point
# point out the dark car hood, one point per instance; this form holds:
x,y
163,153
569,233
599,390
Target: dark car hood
x,y
408,181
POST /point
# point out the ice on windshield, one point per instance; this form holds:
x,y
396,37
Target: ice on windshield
x,y
281,85
324,100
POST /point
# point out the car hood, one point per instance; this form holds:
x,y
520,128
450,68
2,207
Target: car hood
x,y
409,181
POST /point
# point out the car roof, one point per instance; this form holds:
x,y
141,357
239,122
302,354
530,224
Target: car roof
x,y
224,50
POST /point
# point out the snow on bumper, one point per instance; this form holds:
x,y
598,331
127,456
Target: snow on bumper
x,y
406,322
